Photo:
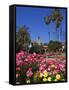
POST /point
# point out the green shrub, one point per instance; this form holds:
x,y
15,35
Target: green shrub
x,y
54,45
37,49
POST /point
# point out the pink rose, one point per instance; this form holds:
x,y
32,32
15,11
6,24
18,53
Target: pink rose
x,y
17,75
50,61
29,72
42,67
17,68
49,68
55,71
61,65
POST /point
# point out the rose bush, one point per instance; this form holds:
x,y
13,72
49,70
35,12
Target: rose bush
x,y
36,68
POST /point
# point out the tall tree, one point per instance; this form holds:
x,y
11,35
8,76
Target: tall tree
x,y
49,35
47,20
55,17
22,37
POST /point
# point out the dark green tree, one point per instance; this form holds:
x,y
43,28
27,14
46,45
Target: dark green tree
x,y
54,45
22,38
37,49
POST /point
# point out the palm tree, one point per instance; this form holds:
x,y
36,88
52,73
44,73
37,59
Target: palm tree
x,y
55,17
49,35
58,19
64,36
47,20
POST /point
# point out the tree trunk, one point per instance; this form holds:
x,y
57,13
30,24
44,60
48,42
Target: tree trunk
x,y
56,33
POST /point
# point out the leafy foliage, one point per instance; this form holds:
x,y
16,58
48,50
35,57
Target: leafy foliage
x,y
37,49
54,17
22,38
54,45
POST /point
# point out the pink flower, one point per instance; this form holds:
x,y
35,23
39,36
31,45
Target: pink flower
x,y
18,63
24,63
49,68
17,75
55,71
26,60
50,61
43,60
29,72
34,54
61,65
17,68
23,58
42,67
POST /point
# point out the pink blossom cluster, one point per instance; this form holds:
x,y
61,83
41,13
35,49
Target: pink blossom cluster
x,y
50,65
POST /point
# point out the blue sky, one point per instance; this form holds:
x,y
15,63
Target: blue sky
x,y
34,19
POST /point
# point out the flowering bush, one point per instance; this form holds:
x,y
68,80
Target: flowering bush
x,y
36,68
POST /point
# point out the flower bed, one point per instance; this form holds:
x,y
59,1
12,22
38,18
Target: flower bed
x,y
35,68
